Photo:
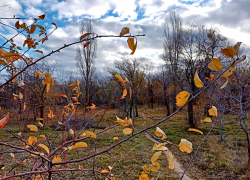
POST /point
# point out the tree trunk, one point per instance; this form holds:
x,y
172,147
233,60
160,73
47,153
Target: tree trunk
x,y
242,119
191,113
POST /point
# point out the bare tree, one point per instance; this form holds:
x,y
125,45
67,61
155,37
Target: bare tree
x,y
85,60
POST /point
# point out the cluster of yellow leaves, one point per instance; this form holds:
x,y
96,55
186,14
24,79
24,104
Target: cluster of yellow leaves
x,y
126,122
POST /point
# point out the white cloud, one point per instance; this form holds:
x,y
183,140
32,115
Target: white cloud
x,y
32,11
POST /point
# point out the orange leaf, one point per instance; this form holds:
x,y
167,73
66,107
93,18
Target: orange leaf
x,y
56,159
86,44
229,51
195,130
104,171
17,25
39,51
115,138
42,17
54,24
32,29
62,95
4,120
84,35
124,30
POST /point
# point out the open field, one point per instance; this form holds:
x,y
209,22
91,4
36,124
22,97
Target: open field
x,y
215,160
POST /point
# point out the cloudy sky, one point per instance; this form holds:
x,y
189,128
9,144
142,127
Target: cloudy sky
x,y
232,17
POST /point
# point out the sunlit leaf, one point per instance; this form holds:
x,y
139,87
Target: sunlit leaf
x,y
124,94
32,140
39,51
229,51
195,130
127,131
215,64
132,45
38,74
32,128
143,176
51,115
120,79
57,159
182,98
229,71
160,147
198,82
42,137
124,30
160,133
32,29
62,95
115,138
155,157
88,134
208,120
44,147
4,120
40,124
104,171
171,162
185,146
78,145
213,111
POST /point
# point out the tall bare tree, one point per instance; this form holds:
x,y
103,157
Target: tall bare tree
x,y
85,60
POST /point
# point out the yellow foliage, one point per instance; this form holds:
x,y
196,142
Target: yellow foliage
x,y
185,146
182,98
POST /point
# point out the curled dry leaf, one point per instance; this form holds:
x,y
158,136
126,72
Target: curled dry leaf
x,y
207,120
229,71
32,128
54,24
185,146
62,95
120,79
160,133
160,147
104,171
213,111
171,162
56,159
44,147
86,44
197,81
195,130
115,138
40,124
125,122
39,51
21,83
4,120
127,131
42,16
210,78
38,74
132,45
241,59
182,98
225,84
215,64
155,157
42,137
124,94
125,30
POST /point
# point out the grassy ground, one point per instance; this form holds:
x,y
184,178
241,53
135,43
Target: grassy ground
x,y
215,160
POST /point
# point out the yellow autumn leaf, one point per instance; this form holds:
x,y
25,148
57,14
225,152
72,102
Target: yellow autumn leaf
x,y
208,120
225,84
19,134
24,106
104,171
197,81
120,79
42,16
88,134
171,162
229,51
125,122
213,111
38,74
32,128
143,176
78,145
56,159
42,137
155,157
182,98
195,130
115,138
127,131
185,146
47,87
51,115
229,71
44,147
210,78
124,30
32,140
20,96
215,64
40,124
160,147
124,94
160,133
